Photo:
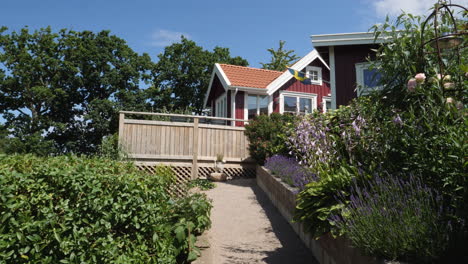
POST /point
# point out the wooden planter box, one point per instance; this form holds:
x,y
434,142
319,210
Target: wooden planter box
x,y
327,250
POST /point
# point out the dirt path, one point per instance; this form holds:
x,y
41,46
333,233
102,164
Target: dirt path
x,y
247,228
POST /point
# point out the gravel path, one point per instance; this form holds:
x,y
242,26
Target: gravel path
x,y
247,228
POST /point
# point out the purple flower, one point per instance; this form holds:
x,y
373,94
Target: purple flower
x,y
397,120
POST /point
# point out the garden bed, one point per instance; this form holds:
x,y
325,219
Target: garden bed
x,y
327,250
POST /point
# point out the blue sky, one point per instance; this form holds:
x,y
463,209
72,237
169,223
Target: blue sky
x,y
247,27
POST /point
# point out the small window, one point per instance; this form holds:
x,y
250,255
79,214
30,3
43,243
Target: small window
x,y
257,105
367,79
326,104
297,103
314,74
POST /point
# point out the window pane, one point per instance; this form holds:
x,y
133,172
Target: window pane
x,y
305,105
252,106
328,105
371,78
290,104
263,104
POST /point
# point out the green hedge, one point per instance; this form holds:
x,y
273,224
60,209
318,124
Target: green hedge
x,y
267,135
78,210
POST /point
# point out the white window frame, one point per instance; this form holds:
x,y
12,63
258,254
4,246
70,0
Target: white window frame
x,y
326,99
221,106
246,104
319,74
361,90
298,95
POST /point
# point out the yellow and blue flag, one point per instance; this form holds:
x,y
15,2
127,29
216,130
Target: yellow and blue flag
x,y
300,76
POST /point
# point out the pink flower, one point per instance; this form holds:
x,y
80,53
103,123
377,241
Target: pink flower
x,y
449,85
412,84
420,77
450,100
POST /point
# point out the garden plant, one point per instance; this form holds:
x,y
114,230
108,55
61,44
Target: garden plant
x,y
391,170
69,209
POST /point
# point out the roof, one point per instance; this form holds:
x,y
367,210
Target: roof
x,y
356,38
240,76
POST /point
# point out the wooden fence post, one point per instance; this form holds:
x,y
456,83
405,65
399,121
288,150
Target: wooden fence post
x,y
121,129
195,149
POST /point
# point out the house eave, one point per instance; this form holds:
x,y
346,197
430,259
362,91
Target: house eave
x,y
356,38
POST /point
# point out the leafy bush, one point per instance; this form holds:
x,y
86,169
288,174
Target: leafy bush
x,y
395,218
289,170
80,210
267,135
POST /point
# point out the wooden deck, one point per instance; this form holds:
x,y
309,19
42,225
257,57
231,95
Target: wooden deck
x,y
182,140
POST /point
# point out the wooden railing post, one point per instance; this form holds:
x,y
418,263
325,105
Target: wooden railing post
x,y
195,149
121,128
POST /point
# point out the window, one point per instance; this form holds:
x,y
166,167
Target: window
x,y
326,104
297,103
314,74
257,105
221,106
366,79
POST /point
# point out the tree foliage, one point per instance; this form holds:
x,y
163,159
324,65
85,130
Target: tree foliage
x,y
280,58
183,72
63,89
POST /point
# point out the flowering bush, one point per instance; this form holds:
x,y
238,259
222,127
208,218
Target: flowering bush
x,y
290,171
396,218
415,125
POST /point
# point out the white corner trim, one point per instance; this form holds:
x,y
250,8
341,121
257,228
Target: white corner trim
x,y
217,70
299,65
246,107
331,52
270,104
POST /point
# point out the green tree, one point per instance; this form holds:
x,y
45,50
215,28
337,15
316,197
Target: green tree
x,y
183,72
64,89
280,58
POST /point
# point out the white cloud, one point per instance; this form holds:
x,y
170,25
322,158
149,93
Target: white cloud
x,y
416,7
162,37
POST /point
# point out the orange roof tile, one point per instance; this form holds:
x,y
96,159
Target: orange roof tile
x,y
249,77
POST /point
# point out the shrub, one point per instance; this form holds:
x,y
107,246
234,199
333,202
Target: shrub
x,y
267,135
396,219
289,170
77,210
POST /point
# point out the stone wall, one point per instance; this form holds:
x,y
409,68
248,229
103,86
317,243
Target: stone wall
x,y
326,250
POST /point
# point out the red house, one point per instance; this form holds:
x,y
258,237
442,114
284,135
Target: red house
x,y
347,55
243,92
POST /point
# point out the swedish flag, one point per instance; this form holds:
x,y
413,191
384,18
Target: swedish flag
x,y
300,76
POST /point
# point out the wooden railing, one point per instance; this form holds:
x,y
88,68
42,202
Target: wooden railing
x,y
181,138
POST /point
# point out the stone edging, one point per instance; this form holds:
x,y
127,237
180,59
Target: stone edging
x,y
326,250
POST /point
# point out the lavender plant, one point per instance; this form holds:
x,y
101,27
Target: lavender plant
x,y
290,171
395,218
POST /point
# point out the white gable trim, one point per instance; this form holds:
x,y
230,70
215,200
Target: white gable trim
x,y
299,65
217,70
